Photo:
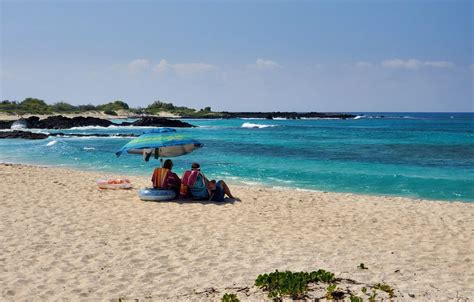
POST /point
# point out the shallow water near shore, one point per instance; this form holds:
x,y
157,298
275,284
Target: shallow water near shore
x,y
420,155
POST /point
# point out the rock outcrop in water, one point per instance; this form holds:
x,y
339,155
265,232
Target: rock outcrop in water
x,y
152,121
6,124
23,134
34,135
62,122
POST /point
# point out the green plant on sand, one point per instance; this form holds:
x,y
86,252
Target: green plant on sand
x,y
354,298
229,298
386,288
372,296
330,290
280,284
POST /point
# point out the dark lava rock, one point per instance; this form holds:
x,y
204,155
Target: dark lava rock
x,y
22,134
5,124
32,135
58,122
159,122
62,122
31,122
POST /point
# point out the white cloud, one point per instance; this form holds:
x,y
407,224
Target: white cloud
x,y
439,64
138,65
162,66
263,64
183,68
413,64
363,64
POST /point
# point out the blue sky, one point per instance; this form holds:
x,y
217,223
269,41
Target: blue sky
x,y
242,55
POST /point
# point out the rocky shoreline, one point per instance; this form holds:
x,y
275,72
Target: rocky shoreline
x,y
36,135
62,122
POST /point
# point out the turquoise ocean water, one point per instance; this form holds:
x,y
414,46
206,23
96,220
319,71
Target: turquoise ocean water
x,y
424,155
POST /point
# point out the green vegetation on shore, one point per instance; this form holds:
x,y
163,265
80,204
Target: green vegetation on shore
x,y
37,106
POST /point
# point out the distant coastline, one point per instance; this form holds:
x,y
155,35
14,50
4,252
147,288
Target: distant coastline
x,y
118,109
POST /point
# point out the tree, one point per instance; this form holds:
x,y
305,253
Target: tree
x,y
32,105
114,106
8,106
88,107
63,107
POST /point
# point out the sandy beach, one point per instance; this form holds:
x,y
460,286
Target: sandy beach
x,y
63,239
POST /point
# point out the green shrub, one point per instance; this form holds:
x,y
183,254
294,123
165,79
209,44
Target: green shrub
x,y
110,112
330,290
113,106
229,298
9,106
386,288
353,298
88,107
63,107
373,296
287,283
36,106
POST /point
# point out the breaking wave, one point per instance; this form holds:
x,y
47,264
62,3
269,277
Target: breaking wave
x,y
259,126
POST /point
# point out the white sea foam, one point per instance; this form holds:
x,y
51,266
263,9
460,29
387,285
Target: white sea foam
x,y
95,137
112,127
88,148
18,125
358,117
252,125
320,118
52,143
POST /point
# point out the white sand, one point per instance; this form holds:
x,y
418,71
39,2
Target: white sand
x,y
61,238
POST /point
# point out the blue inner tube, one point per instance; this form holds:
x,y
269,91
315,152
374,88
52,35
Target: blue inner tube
x,y
156,195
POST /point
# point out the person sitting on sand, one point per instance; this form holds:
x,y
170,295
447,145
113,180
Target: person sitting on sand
x,y
199,187
164,179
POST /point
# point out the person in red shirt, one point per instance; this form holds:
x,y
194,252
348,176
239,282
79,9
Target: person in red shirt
x,y
164,179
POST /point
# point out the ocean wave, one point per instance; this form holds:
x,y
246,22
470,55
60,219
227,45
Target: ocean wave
x,y
110,127
52,143
17,125
359,117
72,137
88,148
320,118
259,126
33,130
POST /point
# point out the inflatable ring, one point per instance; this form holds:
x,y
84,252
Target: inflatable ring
x,y
156,195
114,184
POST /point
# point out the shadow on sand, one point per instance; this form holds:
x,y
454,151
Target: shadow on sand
x,y
204,202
